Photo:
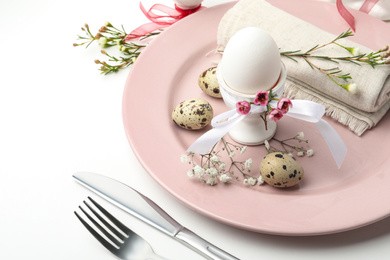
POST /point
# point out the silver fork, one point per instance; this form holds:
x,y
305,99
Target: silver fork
x,y
125,243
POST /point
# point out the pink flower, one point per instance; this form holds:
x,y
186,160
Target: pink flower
x,y
284,105
262,98
243,107
275,115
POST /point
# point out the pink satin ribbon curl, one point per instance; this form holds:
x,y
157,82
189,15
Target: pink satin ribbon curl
x,y
169,17
348,17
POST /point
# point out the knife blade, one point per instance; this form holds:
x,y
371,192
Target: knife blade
x,y
128,199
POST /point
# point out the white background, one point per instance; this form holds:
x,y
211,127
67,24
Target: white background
x,y
58,115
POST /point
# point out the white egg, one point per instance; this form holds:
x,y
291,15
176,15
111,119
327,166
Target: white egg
x,y
251,61
187,4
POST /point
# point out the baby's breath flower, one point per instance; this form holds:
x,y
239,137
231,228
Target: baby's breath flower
x,y
191,174
248,163
199,171
212,172
225,178
250,181
260,180
215,158
222,166
184,158
211,181
243,149
300,153
301,135
232,154
310,152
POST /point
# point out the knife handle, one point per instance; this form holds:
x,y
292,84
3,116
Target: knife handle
x,y
201,246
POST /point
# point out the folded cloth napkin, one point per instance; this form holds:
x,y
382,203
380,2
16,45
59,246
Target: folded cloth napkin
x,y
360,111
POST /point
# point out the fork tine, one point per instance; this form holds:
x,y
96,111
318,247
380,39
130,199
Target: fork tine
x,y
108,225
111,217
105,232
103,241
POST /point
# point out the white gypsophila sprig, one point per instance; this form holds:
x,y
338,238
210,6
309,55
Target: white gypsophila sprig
x,y
250,181
199,171
290,145
310,152
191,173
212,169
248,163
225,178
222,166
211,181
260,180
184,158
212,172
215,158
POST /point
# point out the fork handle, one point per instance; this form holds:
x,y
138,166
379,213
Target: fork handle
x,y
201,246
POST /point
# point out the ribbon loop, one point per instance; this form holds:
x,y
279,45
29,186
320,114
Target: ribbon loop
x,y
169,16
305,110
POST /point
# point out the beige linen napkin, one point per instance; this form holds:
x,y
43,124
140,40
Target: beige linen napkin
x,y
360,111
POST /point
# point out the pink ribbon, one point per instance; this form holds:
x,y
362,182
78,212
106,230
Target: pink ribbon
x,y
170,17
348,17
368,5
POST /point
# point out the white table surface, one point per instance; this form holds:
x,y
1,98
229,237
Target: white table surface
x,y
58,115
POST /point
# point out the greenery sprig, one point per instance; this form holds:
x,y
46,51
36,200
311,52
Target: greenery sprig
x,y
373,59
109,36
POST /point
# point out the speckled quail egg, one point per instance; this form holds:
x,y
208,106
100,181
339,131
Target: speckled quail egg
x,y
193,114
208,82
281,170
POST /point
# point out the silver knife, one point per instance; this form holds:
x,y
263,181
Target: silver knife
x,y
127,198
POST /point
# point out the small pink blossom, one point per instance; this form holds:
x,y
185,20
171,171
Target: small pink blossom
x,y
275,115
262,98
243,107
284,105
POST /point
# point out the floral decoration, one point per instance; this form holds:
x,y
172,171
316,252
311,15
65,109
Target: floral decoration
x,y
263,98
221,165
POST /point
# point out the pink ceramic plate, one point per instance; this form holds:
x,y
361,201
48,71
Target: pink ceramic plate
x,y
327,201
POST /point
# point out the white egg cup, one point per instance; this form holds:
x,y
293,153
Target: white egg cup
x,y
252,129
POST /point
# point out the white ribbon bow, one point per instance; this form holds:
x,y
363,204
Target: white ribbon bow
x,y
302,109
